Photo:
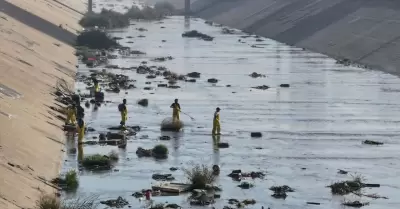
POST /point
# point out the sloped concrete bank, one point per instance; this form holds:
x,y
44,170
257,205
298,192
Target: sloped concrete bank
x,y
363,31
35,53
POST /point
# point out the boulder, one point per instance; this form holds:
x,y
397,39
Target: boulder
x,y
285,85
194,75
212,80
111,135
223,145
143,102
256,134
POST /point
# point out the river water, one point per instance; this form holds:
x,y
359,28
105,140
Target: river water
x,y
310,130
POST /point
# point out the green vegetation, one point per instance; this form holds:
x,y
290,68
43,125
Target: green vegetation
x,y
53,202
160,151
111,19
71,180
97,162
94,40
346,187
199,176
113,155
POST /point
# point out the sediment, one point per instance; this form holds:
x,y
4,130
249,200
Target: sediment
x,y
35,53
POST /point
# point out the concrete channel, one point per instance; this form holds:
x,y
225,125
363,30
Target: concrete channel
x,y
310,130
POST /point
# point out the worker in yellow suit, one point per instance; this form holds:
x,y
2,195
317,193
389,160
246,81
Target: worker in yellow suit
x,y
96,86
176,109
216,125
124,112
81,130
71,115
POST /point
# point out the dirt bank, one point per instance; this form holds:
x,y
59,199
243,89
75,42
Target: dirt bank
x,y
31,62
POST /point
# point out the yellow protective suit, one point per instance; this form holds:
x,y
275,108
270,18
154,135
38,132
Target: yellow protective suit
x,y
96,88
176,113
80,152
81,132
71,115
124,116
216,125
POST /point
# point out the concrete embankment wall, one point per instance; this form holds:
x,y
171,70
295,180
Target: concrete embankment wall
x,y
364,31
34,54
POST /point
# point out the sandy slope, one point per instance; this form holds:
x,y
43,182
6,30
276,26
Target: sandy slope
x,y
30,143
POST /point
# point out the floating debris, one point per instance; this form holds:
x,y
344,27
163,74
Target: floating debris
x,y
263,87
246,185
256,75
370,142
196,34
356,204
116,203
163,177
212,80
256,134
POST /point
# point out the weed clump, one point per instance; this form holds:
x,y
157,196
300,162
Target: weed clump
x,y
160,151
95,39
346,187
48,202
97,162
106,18
113,155
69,182
53,202
199,176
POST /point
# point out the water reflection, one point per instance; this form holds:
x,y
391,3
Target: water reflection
x,y
216,154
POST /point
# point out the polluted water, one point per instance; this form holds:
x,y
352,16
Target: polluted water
x,y
309,129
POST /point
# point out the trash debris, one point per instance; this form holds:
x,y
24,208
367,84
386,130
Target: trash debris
x,y
116,203
194,75
356,204
196,34
370,142
212,80
263,87
163,177
256,134
245,185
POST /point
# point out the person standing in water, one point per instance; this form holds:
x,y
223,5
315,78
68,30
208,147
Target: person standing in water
x,y
176,108
216,125
71,115
81,130
124,112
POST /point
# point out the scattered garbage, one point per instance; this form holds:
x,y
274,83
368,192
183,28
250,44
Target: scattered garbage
x,y
212,80
196,34
356,204
263,87
116,203
163,177
370,142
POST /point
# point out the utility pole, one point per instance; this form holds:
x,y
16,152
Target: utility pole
x,y
187,8
90,6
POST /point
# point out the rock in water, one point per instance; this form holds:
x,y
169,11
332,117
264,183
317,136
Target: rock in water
x,y
212,80
143,102
256,134
169,125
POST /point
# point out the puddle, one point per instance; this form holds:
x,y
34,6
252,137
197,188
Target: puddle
x,y
318,123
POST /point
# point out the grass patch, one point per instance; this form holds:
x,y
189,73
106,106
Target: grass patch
x,y
48,202
160,151
69,182
97,162
199,176
346,187
53,202
114,155
111,19
106,18
71,179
